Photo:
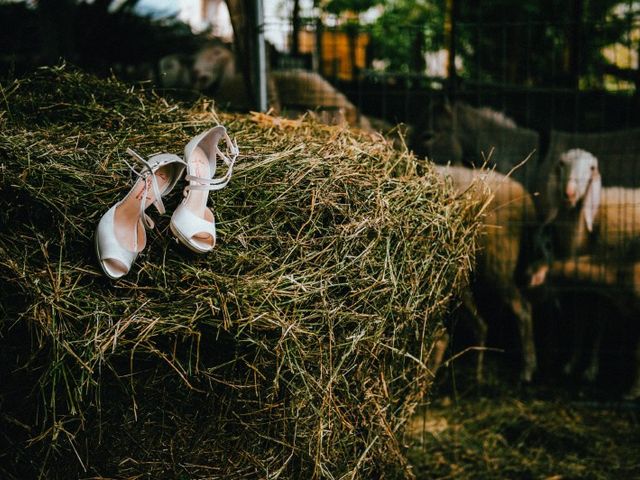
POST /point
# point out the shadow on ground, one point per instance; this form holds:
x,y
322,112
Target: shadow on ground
x,y
556,430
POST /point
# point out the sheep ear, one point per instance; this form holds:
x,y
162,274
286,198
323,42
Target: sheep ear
x,y
592,199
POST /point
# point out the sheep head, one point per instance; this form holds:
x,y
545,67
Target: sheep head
x,y
174,71
211,64
577,182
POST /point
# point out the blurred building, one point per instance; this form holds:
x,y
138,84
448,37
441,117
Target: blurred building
x,y
212,15
342,54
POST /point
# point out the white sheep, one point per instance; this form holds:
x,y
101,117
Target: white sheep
x,y
506,219
619,282
587,218
465,135
596,235
214,72
290,92
174,71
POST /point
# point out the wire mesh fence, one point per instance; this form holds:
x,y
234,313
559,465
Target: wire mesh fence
x,y
549,107
511,86
535,100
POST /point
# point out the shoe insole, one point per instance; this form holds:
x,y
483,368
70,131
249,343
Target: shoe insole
x,y
196,200
129,229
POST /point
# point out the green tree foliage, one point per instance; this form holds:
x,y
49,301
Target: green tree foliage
x,y
538,42
405,30
356,6
524,42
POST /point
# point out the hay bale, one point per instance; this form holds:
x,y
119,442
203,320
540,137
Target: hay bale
x,y
298,349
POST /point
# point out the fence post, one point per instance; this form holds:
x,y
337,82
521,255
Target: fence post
x,y
450,35
260,58
295,29
318,65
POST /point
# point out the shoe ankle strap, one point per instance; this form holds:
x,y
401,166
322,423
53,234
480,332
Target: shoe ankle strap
x,y
146,173
211,184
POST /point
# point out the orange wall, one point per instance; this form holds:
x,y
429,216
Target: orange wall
x,y
336,57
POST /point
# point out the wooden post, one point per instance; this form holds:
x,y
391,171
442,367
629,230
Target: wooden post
x,y
318,64
295,27
260,68
241,13
450,37
247,18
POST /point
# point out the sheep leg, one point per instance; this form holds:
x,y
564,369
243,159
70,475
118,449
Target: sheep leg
x,y
634,391
584,268
479,329
591,373
437,352
576,350
522,310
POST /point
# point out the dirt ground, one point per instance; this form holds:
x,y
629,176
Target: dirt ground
x,y
555,430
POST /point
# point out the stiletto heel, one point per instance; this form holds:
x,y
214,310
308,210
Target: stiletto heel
x,y
121,233
193,223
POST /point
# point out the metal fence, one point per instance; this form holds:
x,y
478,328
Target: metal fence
x,y
503,103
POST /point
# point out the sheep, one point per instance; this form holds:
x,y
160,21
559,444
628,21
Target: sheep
x,y
596,234
464,135
617,281
214,72
302,90
211,64
501,244
291,92
174,71
587,218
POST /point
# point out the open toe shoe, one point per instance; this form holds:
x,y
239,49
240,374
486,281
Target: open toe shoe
x,y
193,223
121,233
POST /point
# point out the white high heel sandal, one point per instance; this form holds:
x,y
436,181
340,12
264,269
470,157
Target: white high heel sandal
x,y
121,233
192,223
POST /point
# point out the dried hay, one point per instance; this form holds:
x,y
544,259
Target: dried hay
x,y
298,349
